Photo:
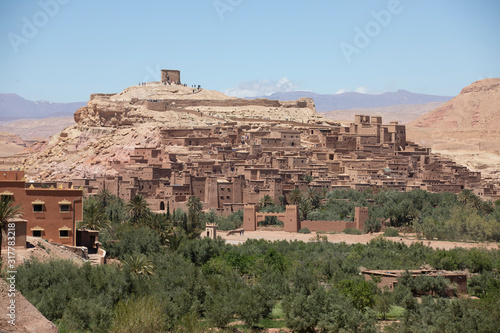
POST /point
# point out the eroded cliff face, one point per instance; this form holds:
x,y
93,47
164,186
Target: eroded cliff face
x,y
466,128
110,126
476,107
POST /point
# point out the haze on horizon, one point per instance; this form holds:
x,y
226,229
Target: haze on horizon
x,y
64,50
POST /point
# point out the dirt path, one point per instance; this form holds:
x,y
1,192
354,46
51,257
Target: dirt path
x,y
349,239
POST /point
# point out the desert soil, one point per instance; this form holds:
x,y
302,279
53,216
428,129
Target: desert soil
x,y
407,239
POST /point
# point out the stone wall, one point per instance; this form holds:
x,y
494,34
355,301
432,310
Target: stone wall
x,y
183,103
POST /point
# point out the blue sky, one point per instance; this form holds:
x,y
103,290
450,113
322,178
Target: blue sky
x,y
64,50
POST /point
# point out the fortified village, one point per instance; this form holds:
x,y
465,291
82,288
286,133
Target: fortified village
x,y
168,141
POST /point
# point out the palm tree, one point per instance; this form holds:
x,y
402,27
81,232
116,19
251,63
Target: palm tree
x,y
139,264
324,192
313,197
307,178
468,198
266,201
105,197
7,211
295,196
138,209
94,216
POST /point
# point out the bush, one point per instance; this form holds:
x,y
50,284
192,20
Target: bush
x,y
352,231
139,315
391,232
304,231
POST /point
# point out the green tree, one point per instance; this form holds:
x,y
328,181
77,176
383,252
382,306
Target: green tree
x,y
7,211
383,302
360,291
266,201
94,216
295,196
307,178
192,225
138,209
139,264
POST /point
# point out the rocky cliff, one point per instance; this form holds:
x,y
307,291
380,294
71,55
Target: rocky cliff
x,y
466,128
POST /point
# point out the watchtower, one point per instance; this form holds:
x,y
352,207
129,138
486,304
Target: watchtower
x,y
211,231
170,75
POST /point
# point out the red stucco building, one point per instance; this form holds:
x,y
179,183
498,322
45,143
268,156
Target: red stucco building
x,y
52,213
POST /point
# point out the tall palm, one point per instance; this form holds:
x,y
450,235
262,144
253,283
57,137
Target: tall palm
x,y
105,197
295,196
324,192
138,209
7,211
312,196
94,216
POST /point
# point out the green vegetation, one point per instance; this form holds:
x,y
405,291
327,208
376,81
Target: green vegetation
x,y
350,231
391,232
444,216
304,231
7,210
169,280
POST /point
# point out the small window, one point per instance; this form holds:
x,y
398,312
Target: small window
x,y
37,233
6,197
63,233
37,208
64,208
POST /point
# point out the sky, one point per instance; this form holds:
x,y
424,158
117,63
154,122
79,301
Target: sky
x,y
65,50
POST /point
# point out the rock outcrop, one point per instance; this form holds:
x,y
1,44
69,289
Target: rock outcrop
x,y
110,126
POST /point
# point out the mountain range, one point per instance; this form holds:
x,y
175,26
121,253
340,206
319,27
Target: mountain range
x,y
13,106
354,100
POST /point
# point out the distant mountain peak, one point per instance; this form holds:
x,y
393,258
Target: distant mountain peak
x,y
354,100
13,106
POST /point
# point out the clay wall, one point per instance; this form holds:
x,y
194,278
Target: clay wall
x,y
170,75
101,96
163,105
328,226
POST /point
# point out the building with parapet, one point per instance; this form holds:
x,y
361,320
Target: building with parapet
x,y
51,213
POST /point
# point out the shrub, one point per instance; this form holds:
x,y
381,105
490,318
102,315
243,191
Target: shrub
x,y
391,232
139,315
304,231
352,231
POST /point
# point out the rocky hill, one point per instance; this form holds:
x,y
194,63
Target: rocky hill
x,y
466,128
110,126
